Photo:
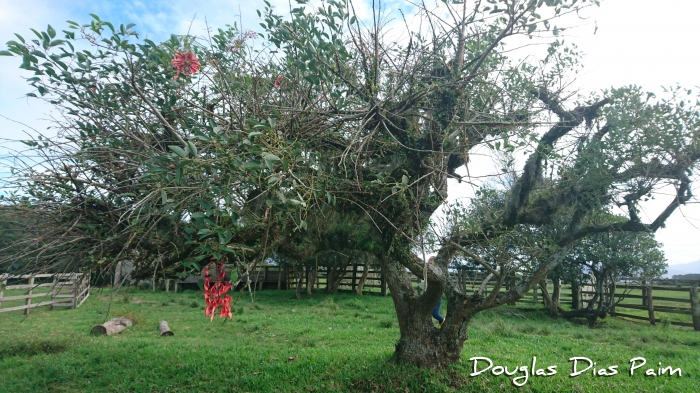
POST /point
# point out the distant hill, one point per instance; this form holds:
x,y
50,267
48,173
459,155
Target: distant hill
x,y
686,268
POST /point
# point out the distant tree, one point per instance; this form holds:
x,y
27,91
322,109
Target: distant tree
x,y
686,276
602,260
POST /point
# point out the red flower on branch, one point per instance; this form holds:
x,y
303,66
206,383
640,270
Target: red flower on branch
x,y
185,63
215,294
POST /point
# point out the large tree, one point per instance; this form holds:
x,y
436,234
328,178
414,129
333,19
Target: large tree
x,y
337,117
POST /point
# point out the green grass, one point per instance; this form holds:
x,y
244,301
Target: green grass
x,y
319,343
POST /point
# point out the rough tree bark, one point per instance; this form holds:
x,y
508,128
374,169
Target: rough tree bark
x,y
335,276
361,285
312,279
421,342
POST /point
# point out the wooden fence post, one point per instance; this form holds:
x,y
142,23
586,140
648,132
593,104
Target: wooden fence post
x,y
316,280
383,283
117,275
644,294
695,306
54,289
279,278
287,275
650,302
612,299
534,295
354,276
28,301
76,284
575,296
264,277
3,282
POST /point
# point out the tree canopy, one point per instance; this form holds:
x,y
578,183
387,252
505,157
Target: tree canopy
x,y
205,147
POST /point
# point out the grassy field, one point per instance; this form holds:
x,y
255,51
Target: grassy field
x,y
319,343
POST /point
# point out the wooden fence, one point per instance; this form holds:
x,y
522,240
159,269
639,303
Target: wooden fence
x,y
639,298
650,299
648,302
64,290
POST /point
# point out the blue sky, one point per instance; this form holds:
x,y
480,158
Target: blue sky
x,y
646,42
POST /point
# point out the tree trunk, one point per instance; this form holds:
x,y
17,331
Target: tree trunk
x,y
300,280
575,295
312,279
556,292
335,277
552,306
361,284
421,342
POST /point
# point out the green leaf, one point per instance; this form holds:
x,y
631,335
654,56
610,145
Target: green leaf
x,y
51,31
270,157
226,249
192,148
163,197
225,237
6,53
178,150
250,165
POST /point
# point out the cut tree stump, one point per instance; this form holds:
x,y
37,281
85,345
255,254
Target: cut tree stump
x,y
113,326
164,329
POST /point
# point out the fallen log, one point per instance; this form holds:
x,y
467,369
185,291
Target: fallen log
x,y
164,329
113,326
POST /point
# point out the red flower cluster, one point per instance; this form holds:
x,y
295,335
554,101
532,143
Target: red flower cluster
x,y
185,63
215,294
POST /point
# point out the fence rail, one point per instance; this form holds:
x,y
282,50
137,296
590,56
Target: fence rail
x,y
64,290
634,297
